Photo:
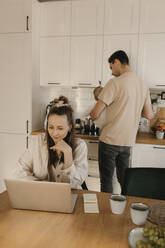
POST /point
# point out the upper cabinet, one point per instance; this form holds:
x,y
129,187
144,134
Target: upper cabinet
x,y
87,17
15,16
86,60
128,43
15,83
152,16
54,60
78,36
55,18
121,17
151,59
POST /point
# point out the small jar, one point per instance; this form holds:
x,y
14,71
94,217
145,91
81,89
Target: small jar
x,y
159,134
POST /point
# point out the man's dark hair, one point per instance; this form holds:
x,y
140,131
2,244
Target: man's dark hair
x,y
121,56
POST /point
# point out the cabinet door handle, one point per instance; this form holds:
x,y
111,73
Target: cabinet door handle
x,y
84,84
55,83
160,85
93,142
27,142
27,126
156,147
27,23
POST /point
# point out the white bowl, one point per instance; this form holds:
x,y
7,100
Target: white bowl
x,y
135,235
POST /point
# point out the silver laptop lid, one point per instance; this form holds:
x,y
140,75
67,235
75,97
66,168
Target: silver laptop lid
x,y
37,195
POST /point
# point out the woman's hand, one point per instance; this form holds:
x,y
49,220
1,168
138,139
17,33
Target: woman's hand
x,y
63,147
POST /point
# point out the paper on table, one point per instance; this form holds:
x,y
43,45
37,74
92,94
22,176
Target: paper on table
x,y
90,203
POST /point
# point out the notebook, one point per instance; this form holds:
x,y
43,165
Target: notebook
x,y
42,196
90,203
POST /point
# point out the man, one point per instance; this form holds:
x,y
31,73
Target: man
x,y
125,98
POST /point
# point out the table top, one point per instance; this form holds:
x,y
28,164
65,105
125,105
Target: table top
x,y
37,229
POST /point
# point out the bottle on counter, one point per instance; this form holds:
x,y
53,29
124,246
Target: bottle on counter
x,y
86,127
98,131
78,126
93,128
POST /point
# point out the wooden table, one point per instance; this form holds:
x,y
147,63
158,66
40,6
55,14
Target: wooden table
x,y
36,229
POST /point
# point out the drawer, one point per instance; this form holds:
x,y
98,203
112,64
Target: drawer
x,y
92,149
148,156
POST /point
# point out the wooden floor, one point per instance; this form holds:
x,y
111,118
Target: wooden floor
x,y
93,183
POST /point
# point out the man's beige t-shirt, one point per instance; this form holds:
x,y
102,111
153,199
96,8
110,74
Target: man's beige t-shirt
x,y
125,97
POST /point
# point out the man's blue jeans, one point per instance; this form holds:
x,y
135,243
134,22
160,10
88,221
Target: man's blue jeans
x,y
111,156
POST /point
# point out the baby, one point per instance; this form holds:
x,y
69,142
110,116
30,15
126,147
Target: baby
x,y
100,121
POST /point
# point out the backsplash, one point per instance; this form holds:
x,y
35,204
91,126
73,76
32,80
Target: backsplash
x,y
157,103
81,99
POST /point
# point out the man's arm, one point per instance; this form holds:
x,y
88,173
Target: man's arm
x,y
147,111
98,108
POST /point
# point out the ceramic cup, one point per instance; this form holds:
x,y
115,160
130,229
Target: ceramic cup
x,y
117,203
159,134
139,213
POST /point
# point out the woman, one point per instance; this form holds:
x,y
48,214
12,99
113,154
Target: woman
x,y
56,155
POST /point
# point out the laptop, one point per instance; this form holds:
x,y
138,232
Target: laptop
x,y
42,196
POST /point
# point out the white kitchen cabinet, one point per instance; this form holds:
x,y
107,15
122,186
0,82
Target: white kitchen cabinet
x,y
55,18
121,17
152,16
151,59
87,17
86,60
11,147
54,60
144,155
112,43
15,16
19,83
15,81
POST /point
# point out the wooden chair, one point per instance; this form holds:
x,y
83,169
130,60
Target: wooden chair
x,y
145,182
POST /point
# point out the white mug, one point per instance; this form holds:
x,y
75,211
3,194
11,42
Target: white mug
x,y
159,134
139,213
117,203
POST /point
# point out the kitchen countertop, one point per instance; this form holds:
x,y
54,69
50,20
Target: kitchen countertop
x,y
142,138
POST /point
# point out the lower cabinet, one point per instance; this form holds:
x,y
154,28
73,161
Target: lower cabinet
x,y
144,155
11,146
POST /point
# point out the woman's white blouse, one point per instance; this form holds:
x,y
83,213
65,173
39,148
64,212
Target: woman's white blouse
x,y
32,164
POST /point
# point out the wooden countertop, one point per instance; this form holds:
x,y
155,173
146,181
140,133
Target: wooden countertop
x,y
142,138
37,229
149,138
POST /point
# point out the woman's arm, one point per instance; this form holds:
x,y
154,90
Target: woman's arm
x,y
78,171
24,168
147,108
63,148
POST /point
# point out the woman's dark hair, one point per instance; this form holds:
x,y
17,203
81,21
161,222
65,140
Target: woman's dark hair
x,y
121,56
59,106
